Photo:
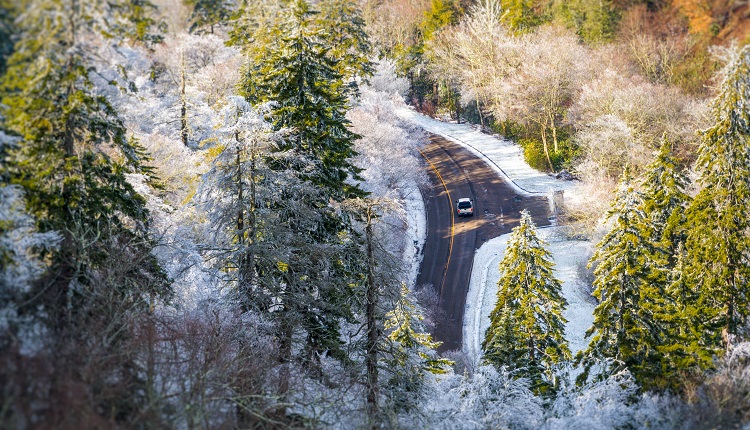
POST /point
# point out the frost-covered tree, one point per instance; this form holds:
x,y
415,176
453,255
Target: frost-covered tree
x,y
527,329
625,264
297,73
718,243
73,159
478,52
233,194
409,353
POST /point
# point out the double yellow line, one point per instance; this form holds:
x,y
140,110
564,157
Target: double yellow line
x,y
450,205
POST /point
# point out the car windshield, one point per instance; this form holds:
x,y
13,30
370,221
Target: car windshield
x,y
464,205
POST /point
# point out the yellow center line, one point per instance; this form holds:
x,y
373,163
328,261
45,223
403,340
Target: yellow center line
x,y
450,204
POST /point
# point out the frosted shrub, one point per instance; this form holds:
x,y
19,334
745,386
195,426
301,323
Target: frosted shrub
x,y
386,81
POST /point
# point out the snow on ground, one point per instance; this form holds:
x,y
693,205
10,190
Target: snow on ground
x,y
417,221
507,159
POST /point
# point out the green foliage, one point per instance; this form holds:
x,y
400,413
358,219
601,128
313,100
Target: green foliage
x,y
533,153
410,352
346,35
208,13
718,243
667,298
692,73
134,20
595,21
440,14
626,265
522,15
298,74
527,329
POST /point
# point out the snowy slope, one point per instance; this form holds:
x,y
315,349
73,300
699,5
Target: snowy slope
x,y
507,159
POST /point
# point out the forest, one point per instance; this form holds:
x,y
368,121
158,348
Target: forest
x,y
207,213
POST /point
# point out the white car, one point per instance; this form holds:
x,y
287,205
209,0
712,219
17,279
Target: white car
x,y
464,207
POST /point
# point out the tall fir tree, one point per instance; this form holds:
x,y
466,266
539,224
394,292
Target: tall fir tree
x,y
627,264
664,205
665,200
298,74
527,329
717,265
350,45
208,14
74,156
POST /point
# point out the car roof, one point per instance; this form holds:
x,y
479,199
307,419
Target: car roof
x,y
464,200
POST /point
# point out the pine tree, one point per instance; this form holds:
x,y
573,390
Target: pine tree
x,y
208,13
410,352
345,33
626,265
299,75
73,158
718,242
664,206
527,329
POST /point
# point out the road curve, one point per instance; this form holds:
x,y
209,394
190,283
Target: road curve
x,y
451,241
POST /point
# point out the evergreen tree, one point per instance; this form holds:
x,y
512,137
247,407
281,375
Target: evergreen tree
x,y
665,200
208,13
718,243
441,13
233,193
627,263
522,15
410,352
345,34
299,75
594,21
73,159
527,329
664,204
134,20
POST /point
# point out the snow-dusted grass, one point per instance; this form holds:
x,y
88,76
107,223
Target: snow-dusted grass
x,y
506,158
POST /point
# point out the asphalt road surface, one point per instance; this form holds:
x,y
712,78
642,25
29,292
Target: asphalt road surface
x,y
451,240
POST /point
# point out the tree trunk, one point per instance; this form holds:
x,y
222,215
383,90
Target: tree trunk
x,y
554,132
371,359
285,359
546,148
183,107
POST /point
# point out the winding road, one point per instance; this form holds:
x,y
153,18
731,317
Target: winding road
x,y
452,241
